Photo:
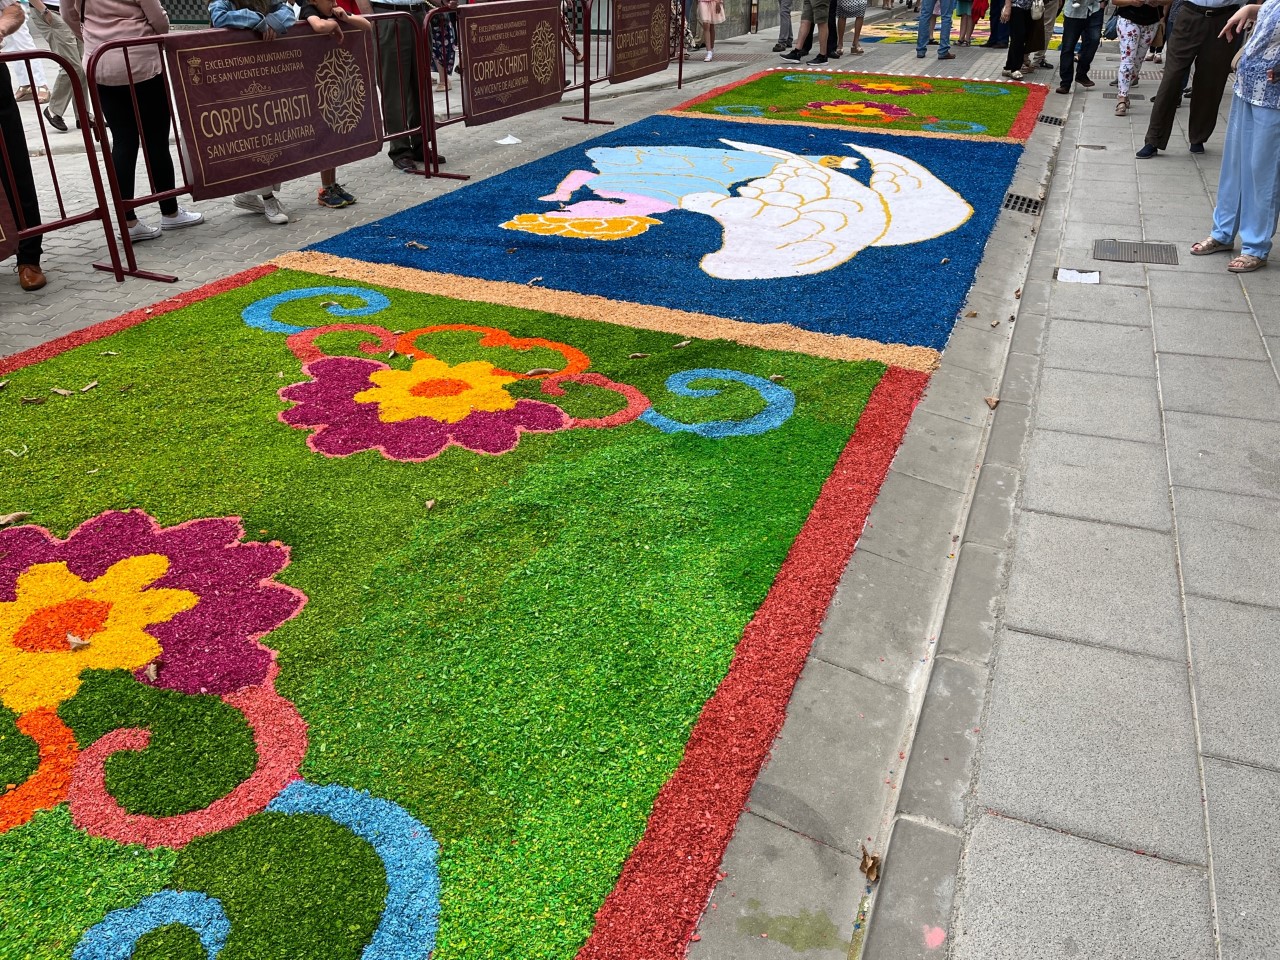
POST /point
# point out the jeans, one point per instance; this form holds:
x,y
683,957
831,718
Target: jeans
x,y
1249,184
924,31
1088,32
26,209
784,23
999,29
153,108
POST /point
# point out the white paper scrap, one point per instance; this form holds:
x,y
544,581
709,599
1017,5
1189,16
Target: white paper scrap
x,y
508,140
1079,276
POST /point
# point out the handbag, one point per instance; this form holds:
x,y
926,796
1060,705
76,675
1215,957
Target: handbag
x,y
1037,9
1112,29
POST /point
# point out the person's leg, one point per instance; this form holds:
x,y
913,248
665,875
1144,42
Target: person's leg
x,y
398,80
1000,31
22,191
1179,53
944,27
821,18
829,44
924,28
1072,28
1260,199
1213,66
785,37
1019,22
153,108
117,111
1235,158
804,40
857,34
1090,40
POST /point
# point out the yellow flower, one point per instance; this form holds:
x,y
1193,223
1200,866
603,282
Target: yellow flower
x,y
431,388
59,626
583,228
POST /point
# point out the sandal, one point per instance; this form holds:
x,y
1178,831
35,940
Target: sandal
x,y
42,94
1122,106
1246,263
1208,246
856,51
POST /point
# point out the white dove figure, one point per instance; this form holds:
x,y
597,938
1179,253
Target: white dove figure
x,y
805,217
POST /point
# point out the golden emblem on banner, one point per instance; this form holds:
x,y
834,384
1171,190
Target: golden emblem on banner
x,y
543,51
195,70
658,29
340,91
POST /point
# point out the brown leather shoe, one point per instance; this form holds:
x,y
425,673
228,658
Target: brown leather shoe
x,y
31,276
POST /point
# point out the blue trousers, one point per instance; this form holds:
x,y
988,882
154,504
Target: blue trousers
x,y
1249,184
924,32
999,29
1088,31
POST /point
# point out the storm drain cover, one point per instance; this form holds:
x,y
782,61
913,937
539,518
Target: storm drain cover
x,y
1020,204
1134,251
1052,121
1132,96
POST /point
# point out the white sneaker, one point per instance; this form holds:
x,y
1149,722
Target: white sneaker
x,y
1011,74
183,218
707,58
273,211
143,231
248,201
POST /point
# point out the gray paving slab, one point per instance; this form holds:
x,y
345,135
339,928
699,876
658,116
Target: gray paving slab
x,y
1010,430
1213,385
940,768
1178,289
832,796
781,894
1096,582
1102,304
1095,742
916,889
994,503
916,523
878,623
979,347
1097,478
1029,330
1224,453
1246,863
1236,683
1021,372
1036,894
940,450
1201,334
1100,347
1229,545
977,596
1098,404
959,394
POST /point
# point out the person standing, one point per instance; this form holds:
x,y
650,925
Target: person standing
x,y
1017,14
1081,23
21,192
924,29
100,22
398,80
1198,38
814,12
999,38
785,38
1136,23
50,29
1249,185
33,71
710,13
1042,35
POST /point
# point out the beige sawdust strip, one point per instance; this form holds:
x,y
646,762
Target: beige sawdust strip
x,y
770,336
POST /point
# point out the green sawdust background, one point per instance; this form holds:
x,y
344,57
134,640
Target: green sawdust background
x,y
783,99
519,667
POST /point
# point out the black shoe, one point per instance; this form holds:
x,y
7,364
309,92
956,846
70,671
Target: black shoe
x,y
1046,64
55,121
793,56
933,43
405,164
1197,148
779,47
1148,151
1065,88
989,44
1086,83
816,61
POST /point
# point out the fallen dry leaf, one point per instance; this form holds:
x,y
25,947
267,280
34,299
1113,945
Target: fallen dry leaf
x,y
33,399
109,353
946,260
3,384
972,313
995,323
89,386
151,672
330,303
539,372
511,249
63,393
75,643
9,519
870,865
416,245
992,402
681,345
637,356
533,281
430,504
1017,294
776,378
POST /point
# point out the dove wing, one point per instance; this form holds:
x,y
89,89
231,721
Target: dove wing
x,y
920,205
803,218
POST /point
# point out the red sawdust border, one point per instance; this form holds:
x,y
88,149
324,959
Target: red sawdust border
x,y
654,908
46,351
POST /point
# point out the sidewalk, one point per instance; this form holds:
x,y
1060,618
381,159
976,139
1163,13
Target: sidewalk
x,y
1099,750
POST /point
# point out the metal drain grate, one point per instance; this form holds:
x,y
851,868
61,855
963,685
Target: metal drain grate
x,y
1052,121
1090,146
1132,96
1135,251
1020,204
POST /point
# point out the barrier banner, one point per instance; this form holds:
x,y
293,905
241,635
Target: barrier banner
x,y
641,39
512,59
256,112
8,227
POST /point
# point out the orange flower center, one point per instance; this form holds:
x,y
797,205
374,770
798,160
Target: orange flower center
x,y
442,387
50,628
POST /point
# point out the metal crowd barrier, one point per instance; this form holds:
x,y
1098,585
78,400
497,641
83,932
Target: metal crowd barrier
x,y
182,182
100,211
